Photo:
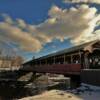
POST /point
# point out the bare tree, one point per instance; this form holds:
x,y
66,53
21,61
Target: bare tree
x,y
17,61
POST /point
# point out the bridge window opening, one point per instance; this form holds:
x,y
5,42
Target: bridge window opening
x,y
31,64
67,59
34,63
59,59
76,59
37,63
56,60
50,61
43,62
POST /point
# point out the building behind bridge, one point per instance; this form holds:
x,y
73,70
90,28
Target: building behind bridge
x,y
9,62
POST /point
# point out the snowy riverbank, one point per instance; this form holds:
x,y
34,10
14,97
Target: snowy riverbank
x,y
84,92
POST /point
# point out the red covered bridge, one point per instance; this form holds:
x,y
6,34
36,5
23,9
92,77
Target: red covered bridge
x,y
69,61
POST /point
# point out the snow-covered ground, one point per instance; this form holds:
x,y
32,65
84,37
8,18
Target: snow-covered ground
x,y
89,92
53,95
84,92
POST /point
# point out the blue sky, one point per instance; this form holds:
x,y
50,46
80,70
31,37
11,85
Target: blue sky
x,y
32,11
36,12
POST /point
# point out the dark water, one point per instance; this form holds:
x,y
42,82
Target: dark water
x,y
13,90
17,90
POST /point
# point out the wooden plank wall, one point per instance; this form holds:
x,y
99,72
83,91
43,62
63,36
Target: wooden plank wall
x,y
91,76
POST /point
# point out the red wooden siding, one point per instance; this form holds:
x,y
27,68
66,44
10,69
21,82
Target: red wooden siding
x,y
57,68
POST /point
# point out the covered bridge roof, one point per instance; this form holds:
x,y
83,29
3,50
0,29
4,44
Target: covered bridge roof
x,y
85,46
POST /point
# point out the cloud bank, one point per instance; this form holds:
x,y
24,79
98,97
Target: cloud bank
x,y
76,24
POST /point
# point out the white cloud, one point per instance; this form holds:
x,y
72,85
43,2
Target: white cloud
x,y
14,34
75,23
82,1
25,36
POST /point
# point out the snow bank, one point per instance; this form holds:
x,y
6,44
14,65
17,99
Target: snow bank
x,y
84,92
